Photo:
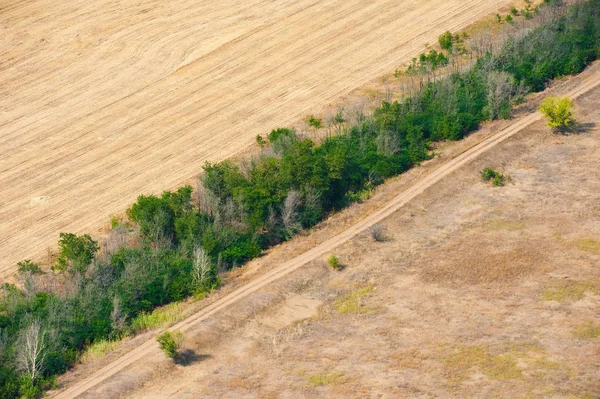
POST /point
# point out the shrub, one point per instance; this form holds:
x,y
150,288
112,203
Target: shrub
x,y
334,262
497,178
27,266
377,232
314,122
558,112
170,343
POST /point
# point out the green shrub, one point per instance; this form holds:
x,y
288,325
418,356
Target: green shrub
x,y
334,262
27,266
170,343
497,178
558,112
314,122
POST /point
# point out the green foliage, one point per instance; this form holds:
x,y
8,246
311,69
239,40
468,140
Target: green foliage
x,y
497,178
170,343
260,141
314,122
245,210
334,262
558,112
27,266
446,41
75,253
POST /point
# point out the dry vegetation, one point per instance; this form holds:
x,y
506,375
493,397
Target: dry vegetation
x,y
101,101
476,292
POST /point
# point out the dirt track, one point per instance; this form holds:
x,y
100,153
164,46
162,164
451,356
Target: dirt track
x,y
101,101
325,247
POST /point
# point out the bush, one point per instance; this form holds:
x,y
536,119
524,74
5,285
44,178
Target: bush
x,y
377,232
170,343
314,122
334,262
558,112
497,178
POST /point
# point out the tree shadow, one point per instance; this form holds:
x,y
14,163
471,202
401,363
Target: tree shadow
x,y
577,128
188,356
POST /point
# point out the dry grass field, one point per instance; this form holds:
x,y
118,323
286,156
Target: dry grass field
x,y
475,292
101,101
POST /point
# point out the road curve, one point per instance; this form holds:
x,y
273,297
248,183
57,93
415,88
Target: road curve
x,y
324,248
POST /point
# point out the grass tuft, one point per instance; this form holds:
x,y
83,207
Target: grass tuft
x,y
325,379
589,330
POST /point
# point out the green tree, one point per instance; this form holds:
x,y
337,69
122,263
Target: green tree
x,y
75,252
170,342
558,112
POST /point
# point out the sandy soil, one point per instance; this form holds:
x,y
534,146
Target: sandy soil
x,y
101,101
460,234
478,292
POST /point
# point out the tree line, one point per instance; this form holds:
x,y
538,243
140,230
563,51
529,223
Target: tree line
x,y
174,245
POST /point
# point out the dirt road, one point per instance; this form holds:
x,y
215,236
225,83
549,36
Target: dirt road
x,y
325,247
102,101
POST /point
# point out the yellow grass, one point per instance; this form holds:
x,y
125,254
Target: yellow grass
x,y
589,330
99,349
569,290
325,379
353,302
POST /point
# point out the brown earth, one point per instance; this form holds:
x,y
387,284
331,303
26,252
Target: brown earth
x,y
101,101
476,292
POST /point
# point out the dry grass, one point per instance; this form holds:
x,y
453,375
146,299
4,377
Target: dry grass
x,y
478,260
503,224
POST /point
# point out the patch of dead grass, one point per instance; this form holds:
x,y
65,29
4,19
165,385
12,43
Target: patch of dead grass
x,y
504,224
477,261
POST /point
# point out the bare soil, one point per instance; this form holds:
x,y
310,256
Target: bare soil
x,y
102,101
477,291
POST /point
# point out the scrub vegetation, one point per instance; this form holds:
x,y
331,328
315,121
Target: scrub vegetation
x,y
174,245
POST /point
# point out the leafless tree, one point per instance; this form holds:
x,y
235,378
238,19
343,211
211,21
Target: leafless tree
x,y
117,317
388,143
289,213
202,265
377,232
31,349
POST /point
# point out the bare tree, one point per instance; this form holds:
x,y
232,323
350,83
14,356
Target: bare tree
x,y
289,213
388,142
117,317
31,349
202,265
